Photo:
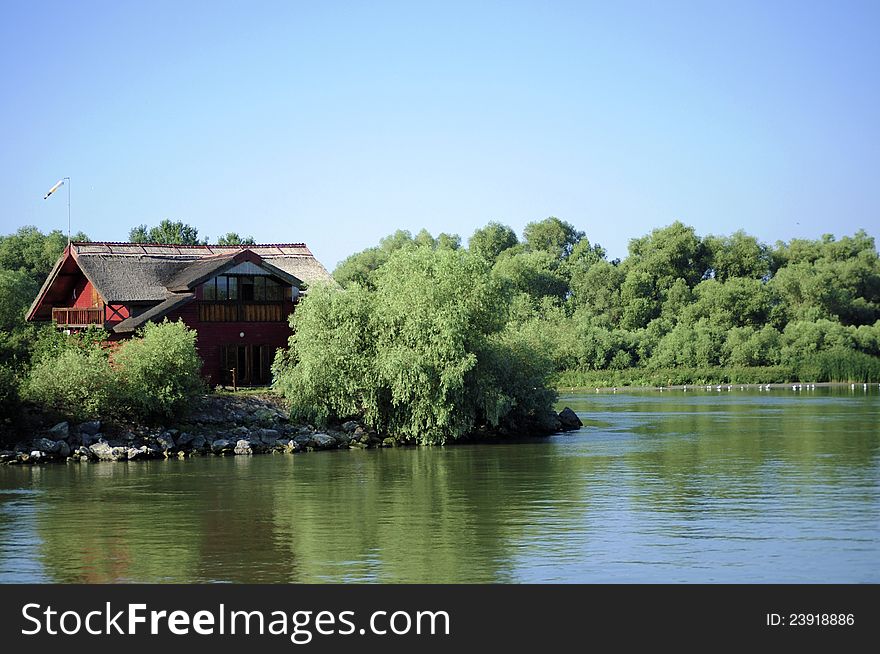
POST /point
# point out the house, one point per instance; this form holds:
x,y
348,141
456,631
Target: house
x,y
238,298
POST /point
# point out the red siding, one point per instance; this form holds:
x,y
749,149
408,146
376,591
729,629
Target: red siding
x,y
212,336
86,297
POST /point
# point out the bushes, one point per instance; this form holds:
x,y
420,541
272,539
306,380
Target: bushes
x,y
159,373
152,376
76,383
9,394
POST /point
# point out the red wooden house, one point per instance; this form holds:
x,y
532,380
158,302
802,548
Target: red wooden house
x,y
238,298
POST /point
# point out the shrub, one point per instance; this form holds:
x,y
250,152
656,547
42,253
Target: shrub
x,y
422,357
76,383
159,373
9,394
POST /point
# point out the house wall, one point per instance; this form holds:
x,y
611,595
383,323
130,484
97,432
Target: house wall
x,y
86,296
213,336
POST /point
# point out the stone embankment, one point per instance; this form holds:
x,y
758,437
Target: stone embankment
x,y
223,425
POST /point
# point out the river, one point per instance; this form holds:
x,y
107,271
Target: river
x,y
697,486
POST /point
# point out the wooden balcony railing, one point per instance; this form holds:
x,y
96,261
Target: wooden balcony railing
x,y
78,317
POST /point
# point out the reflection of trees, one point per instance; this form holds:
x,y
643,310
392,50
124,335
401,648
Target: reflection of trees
x,y
415,514
421,515
696,449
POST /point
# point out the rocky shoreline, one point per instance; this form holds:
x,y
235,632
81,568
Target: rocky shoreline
x,y
228,425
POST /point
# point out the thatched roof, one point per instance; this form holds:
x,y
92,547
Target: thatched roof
x,y
151,273
129,272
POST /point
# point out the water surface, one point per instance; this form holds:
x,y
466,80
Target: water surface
x,y
700,486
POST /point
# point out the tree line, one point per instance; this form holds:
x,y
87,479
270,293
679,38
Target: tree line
x,y
680,307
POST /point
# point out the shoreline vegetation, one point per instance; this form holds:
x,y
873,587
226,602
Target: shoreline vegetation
x,y
429,342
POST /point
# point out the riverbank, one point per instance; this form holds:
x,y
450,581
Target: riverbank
x,y
795,386
223,425
738,376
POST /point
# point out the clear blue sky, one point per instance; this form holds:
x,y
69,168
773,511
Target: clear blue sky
x,y
337,123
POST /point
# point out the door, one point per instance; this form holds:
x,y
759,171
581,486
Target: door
x,y
251,364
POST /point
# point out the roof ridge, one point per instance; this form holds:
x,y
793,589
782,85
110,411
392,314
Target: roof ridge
x,y
210,245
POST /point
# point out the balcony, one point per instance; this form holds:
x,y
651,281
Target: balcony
x,y
77,317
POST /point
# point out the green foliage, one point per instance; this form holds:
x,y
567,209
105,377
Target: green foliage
x,y
78,383
9,395
231,238
490,241
166,232
30,251
422,354
552,235
159,373
677,301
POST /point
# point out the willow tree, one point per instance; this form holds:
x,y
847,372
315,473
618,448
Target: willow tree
x,y
423,355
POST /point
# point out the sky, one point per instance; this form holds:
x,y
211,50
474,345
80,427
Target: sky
x,y
337,123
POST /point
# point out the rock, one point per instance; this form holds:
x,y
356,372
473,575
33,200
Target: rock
x,y
165,441
221,445
7,455
265,417
104,452
240,431
323,441
389,442
243,447
63,450
268,436
60,431
292,446
141,452
357,444
349,426
44,445
198,443
91,427
36,456
185,439
90,439
569,420
302,440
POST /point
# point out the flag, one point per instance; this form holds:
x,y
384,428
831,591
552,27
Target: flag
x,y
54,188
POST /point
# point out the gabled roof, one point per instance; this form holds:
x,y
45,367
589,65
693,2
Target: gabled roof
x,y
153,273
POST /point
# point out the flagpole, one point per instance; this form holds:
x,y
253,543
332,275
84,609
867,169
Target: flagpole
x,y
68,211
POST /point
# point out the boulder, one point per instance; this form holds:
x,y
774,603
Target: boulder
x,y
90,439
198,443
323,441
44,445
104,452
349,426
302,440
569,420
141,452
221,445
165,441
268,436
243,447
185,439
389,442
91,427
60,431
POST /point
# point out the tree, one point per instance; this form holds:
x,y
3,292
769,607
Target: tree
x,y
167,233
231,238
31,251
738,255
423,357
490,241
552,235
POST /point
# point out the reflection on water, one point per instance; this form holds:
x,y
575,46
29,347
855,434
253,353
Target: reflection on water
x,y
701,486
